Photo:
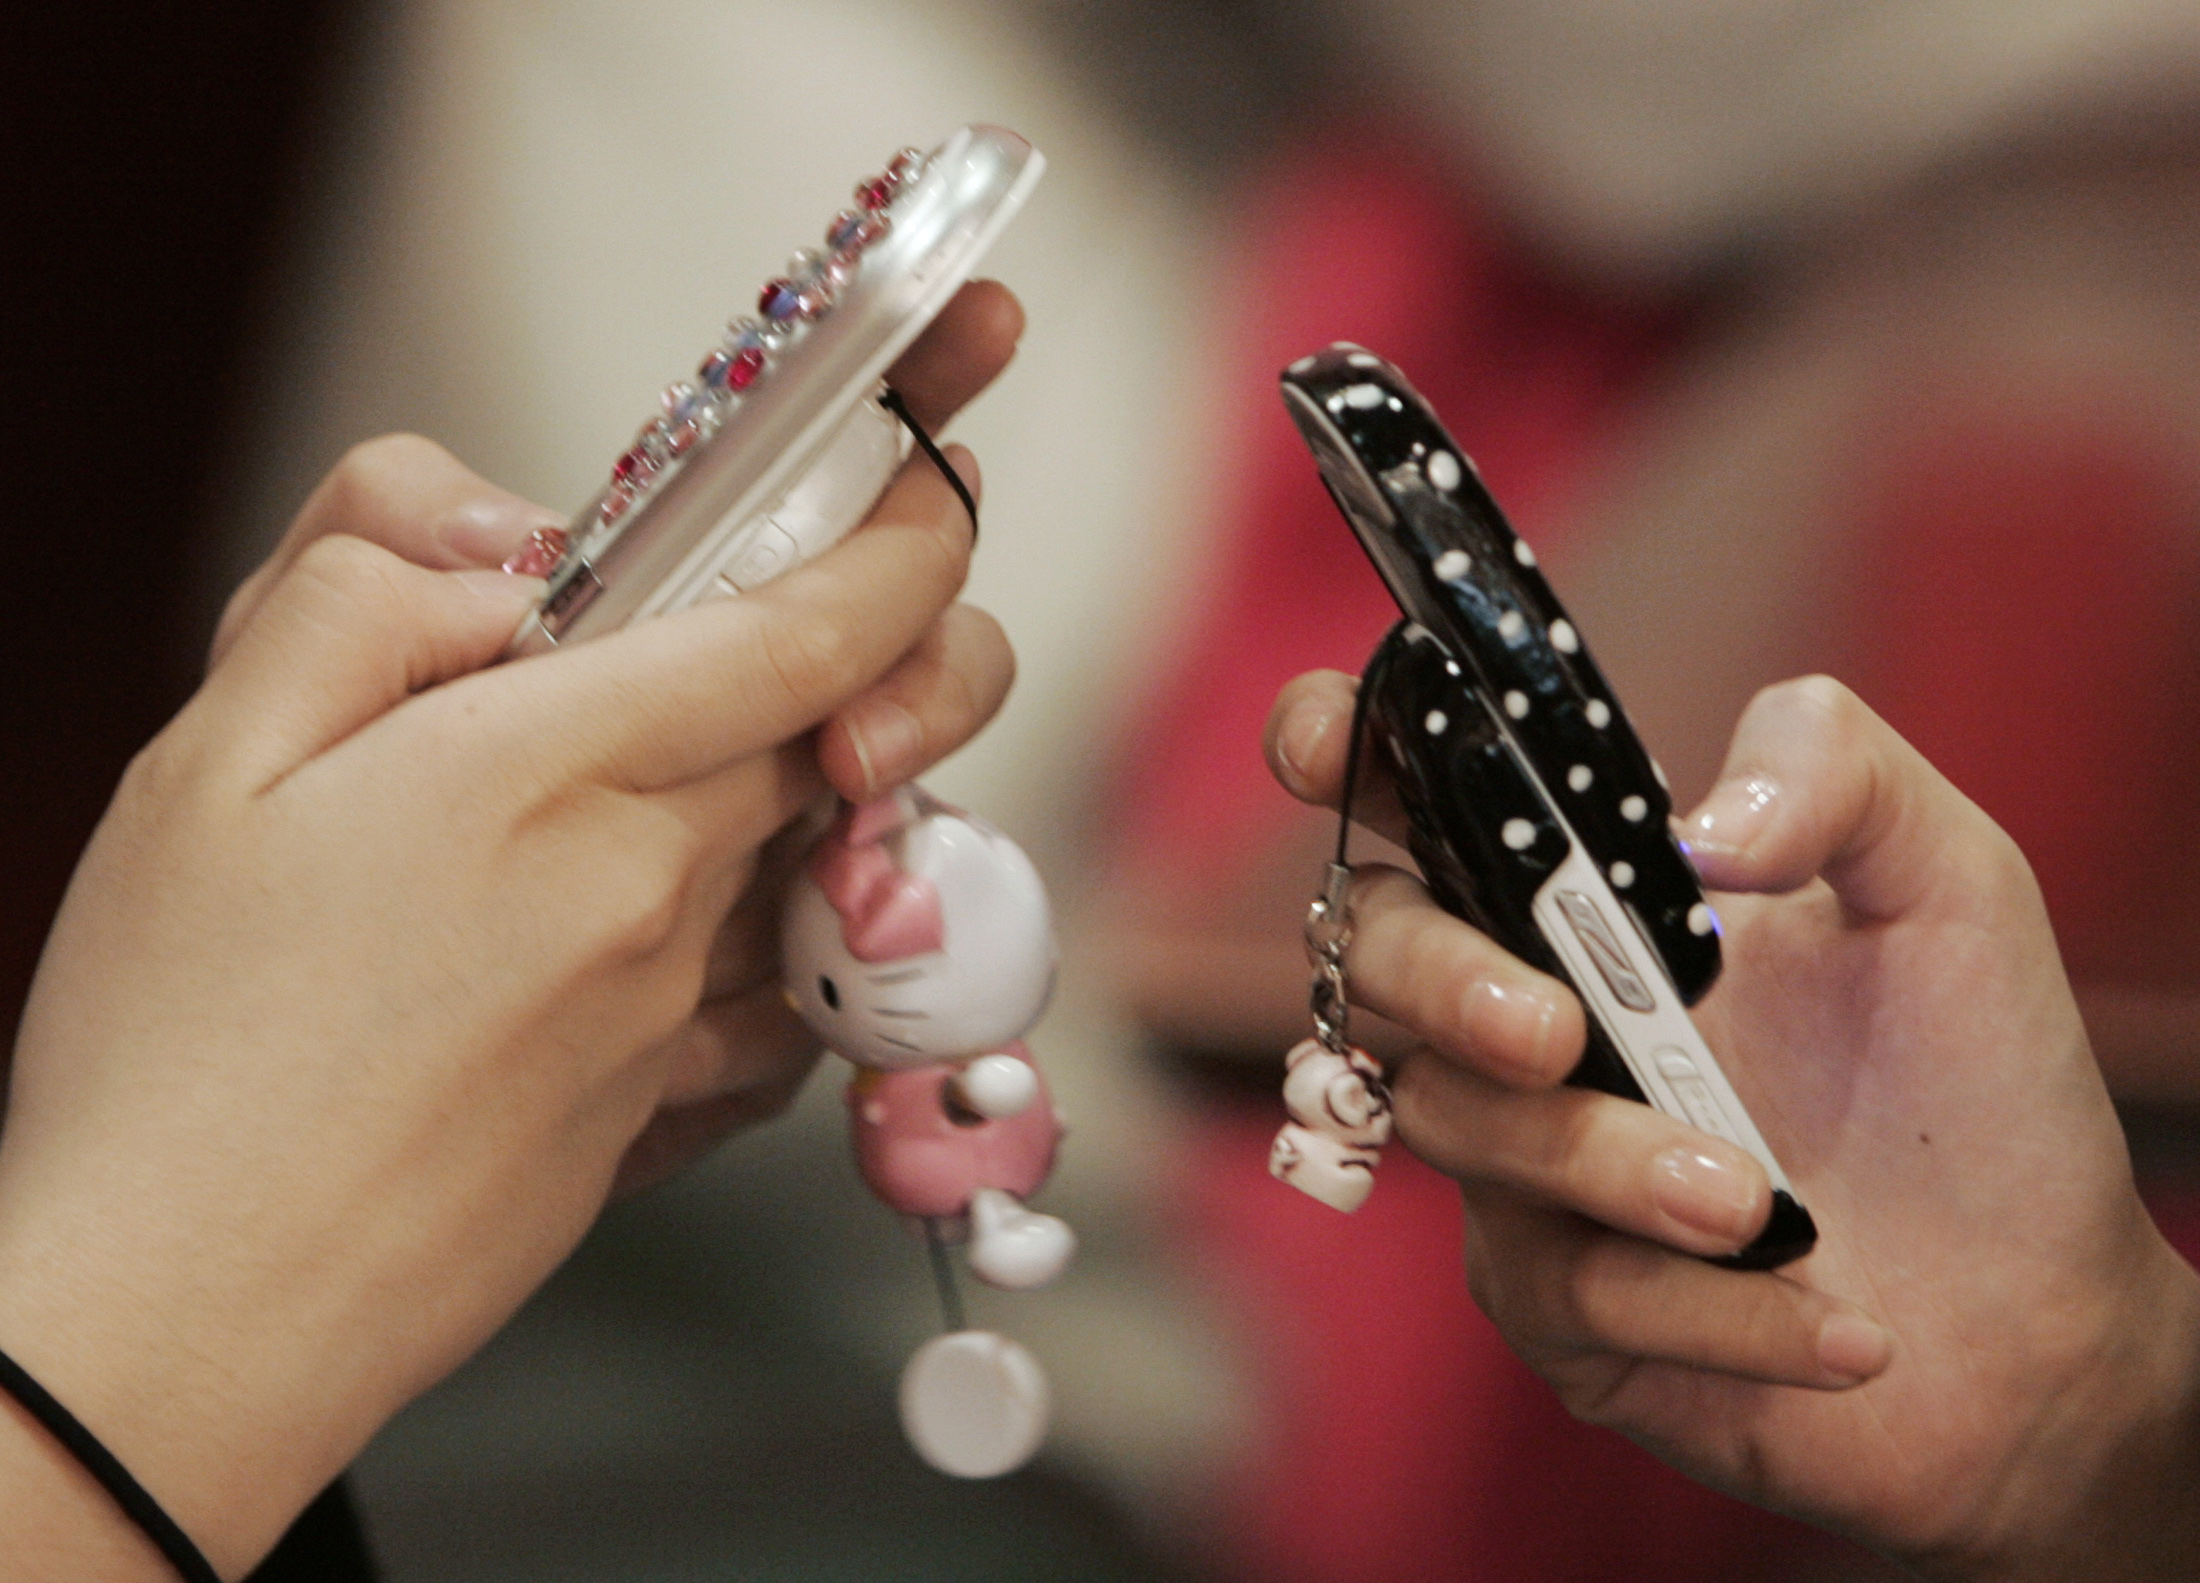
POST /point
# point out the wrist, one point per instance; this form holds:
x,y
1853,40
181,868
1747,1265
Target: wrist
x,y
59,1522
182,1356
2106,1491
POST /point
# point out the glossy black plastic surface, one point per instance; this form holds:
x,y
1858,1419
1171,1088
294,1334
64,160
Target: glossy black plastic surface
x,y
1493,718
1458,570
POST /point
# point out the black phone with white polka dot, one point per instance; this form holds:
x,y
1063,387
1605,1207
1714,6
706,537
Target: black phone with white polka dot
x,y
1535,813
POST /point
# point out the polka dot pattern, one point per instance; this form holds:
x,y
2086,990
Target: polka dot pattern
x,y
1532,745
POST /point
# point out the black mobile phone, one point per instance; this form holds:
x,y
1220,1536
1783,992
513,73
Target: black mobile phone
x,y
1535,812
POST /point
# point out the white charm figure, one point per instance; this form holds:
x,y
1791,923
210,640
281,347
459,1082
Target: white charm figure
x,y
1340,1120
918,944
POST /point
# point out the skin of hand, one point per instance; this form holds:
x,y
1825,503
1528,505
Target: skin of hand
x,y
1990,1365
384,966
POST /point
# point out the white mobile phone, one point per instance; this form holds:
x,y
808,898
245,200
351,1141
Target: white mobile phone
x,y
784,437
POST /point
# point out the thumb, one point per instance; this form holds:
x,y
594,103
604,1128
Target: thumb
x,y
346,634
1816,785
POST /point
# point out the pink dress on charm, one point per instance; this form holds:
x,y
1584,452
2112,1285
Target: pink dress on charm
x,y
918,944
926,1153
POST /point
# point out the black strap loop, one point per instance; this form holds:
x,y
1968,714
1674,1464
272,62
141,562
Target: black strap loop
x,y
890,399
1353,750
140,1507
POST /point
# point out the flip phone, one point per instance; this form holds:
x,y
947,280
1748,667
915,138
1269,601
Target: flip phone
x,y
1535,812
784,436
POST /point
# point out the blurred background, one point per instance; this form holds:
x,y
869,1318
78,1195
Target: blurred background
x,y
1797,334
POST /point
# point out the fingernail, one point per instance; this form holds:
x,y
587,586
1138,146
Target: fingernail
x,y
487,532
1299,740
540,554
1716,1196
888,741
505,588
1731,816
1852,1348
1511,1022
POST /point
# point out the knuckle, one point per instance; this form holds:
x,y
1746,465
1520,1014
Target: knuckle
x,y
235,608
1567,1157
1603,1285
348,584
2007,871
1426,1121
1401,942
349,568
810,660
636,921
165,774
1827,707
639,903
1492,1291
1494,1263
1569,1299
978,658
366,475
675,989
1769,1326
946,538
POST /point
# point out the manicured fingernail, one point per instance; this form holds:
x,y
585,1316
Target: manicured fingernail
x,y
1510,1022
1732,815
888,741
1708,1193
540,554
1299,740
489,532
504,587
1852,1348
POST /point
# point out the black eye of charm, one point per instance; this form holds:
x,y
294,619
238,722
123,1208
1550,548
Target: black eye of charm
x,y
830,991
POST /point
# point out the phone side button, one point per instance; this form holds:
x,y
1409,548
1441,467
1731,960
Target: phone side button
x,y
768,554
1605,950
1697,1102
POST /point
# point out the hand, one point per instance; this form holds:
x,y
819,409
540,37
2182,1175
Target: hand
x,y
381,962
1991,1363
744,1054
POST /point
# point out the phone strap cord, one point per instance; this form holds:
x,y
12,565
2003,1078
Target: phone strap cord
x,y
891,400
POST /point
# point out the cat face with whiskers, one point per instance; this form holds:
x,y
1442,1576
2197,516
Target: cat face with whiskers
x,y
889,982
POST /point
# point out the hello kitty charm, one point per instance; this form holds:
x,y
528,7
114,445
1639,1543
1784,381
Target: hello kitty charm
x,y
919,945
1334,1091
1340,1120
